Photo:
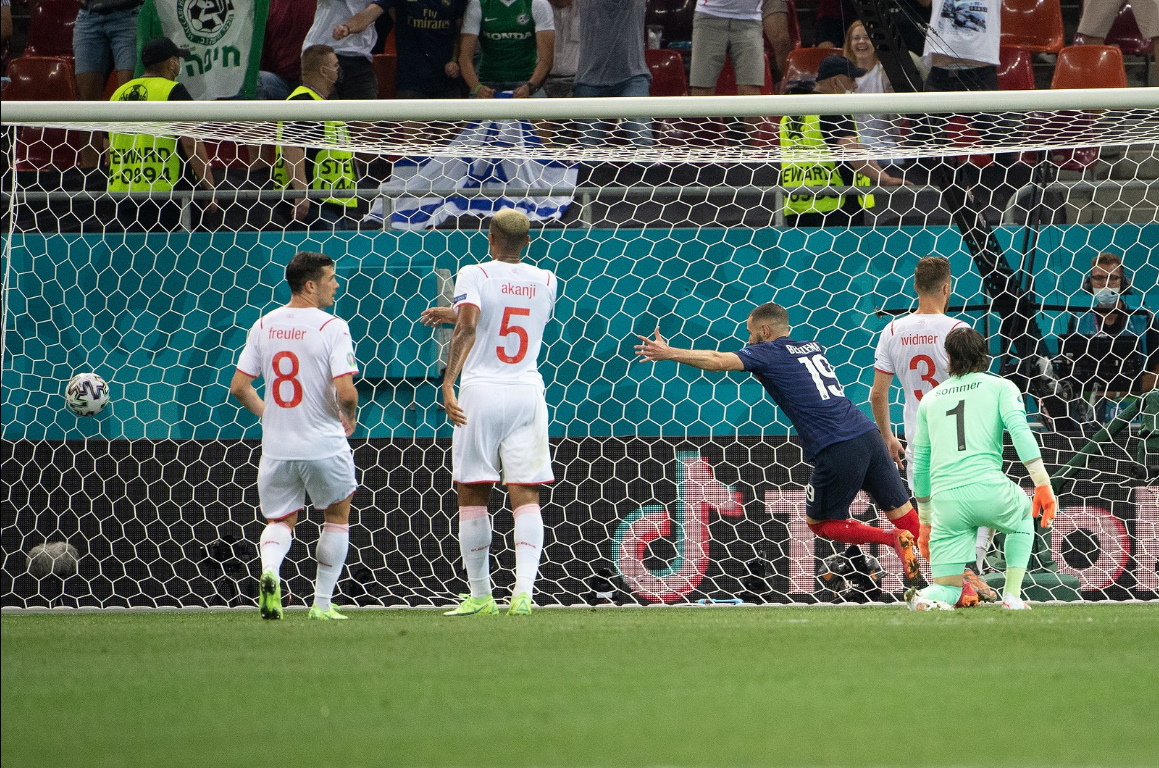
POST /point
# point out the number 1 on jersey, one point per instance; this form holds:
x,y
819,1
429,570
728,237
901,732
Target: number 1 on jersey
x,y
506,328
959,414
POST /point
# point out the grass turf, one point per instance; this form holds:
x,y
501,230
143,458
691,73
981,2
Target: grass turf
x,y
1060,685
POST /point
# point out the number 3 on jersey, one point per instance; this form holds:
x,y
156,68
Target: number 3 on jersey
x,y
506,328
928,376
282,377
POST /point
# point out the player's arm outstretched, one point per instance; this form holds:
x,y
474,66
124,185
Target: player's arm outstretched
x,y
433,316
462,340
657,349
879,402
1014,419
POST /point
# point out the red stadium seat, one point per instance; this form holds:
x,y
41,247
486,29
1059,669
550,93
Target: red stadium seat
x,y
44,78
726,83
385,69
667,68
1016,70
50,28
803,62
1033,24
1084,66
1125,34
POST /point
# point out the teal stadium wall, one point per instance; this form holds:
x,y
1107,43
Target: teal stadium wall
x,y
163,317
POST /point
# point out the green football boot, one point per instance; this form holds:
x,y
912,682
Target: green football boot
x,y
330,614
475,606
520,605
270,596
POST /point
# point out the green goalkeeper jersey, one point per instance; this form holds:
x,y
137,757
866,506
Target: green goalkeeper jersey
x,y
958,439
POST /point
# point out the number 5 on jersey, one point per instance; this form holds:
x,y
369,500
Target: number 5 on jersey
x,y
506,328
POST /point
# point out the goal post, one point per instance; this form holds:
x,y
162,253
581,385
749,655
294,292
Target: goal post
x,y
673,486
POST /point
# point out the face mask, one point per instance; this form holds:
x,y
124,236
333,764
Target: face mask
x,y
1106,297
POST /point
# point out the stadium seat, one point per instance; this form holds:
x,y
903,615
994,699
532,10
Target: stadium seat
x,y
803,62
1089,66
1125,34
385,68
667,68
50,28
726,83
44,78
1084,66
1016,70
1033,24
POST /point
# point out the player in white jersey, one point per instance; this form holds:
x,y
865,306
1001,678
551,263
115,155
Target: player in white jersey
x,y
913,348
306,357
500,414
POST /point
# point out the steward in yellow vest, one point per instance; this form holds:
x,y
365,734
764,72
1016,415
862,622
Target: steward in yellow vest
x,y
142,163
811,138
300,168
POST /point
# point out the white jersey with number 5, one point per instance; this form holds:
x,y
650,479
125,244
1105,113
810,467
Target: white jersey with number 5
x,y
515,302
299,352
913,348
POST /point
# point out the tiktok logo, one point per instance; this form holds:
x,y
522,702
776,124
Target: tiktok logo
x,y
698,493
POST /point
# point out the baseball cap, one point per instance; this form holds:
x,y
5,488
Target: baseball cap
x,y
159,49
832,66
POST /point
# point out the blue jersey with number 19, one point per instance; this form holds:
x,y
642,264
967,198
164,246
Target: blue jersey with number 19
x,y
802,382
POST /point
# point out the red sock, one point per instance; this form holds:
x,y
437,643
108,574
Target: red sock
x,y
851,532
909,522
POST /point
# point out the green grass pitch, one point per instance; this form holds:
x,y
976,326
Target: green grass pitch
x,y
719,686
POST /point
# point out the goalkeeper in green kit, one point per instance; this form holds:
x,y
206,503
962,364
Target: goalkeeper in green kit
x,y
958,478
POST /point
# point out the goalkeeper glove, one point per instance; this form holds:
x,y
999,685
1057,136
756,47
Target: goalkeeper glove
x,y
924,541
1044,503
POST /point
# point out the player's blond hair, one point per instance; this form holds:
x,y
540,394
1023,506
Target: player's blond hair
x,y
931,273
510,227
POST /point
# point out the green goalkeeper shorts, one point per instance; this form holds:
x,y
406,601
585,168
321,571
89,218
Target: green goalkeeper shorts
x,y
959,513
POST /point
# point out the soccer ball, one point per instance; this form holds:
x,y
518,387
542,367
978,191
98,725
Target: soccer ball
x,y
57,558
86,394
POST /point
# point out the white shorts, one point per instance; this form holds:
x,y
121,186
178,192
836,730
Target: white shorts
x,y
505,438
283,483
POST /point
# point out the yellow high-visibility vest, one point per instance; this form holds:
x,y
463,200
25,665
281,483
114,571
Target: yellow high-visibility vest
x,y
332,169
804,133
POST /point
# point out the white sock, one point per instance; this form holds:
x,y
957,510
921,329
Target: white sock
x,y
475,547
273,546
528,546
333,545
982,547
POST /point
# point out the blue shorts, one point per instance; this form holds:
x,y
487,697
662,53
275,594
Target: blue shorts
x,y
103,39
843,469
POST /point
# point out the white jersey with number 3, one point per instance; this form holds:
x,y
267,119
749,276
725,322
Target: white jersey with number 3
x,y
299,352
913,348
515,302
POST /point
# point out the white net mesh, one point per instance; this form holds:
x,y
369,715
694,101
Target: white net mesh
x,y
673,486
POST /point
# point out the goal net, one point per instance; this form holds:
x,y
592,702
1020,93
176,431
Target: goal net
x,y
679,214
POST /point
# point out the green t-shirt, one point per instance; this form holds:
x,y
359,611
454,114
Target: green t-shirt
x,y
958,439
507,42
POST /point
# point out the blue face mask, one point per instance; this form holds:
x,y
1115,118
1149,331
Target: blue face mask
x,y
1106,297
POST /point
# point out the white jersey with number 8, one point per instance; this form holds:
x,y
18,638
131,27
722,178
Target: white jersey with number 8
x,y
913,348
299,352
515,302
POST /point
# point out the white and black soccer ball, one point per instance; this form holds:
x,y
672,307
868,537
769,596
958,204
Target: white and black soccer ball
x,y
56,558
87,394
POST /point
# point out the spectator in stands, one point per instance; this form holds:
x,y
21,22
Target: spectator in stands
x,y
1111,352
833,18
5,24
302,169
104,40
144,163
611,61
1099,15
775,20
962,45
811,132
732,28
353,48
516,41
565,59
286,27
426,43
877,131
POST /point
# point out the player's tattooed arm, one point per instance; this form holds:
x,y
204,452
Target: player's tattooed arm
x,y
462,340
433,316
